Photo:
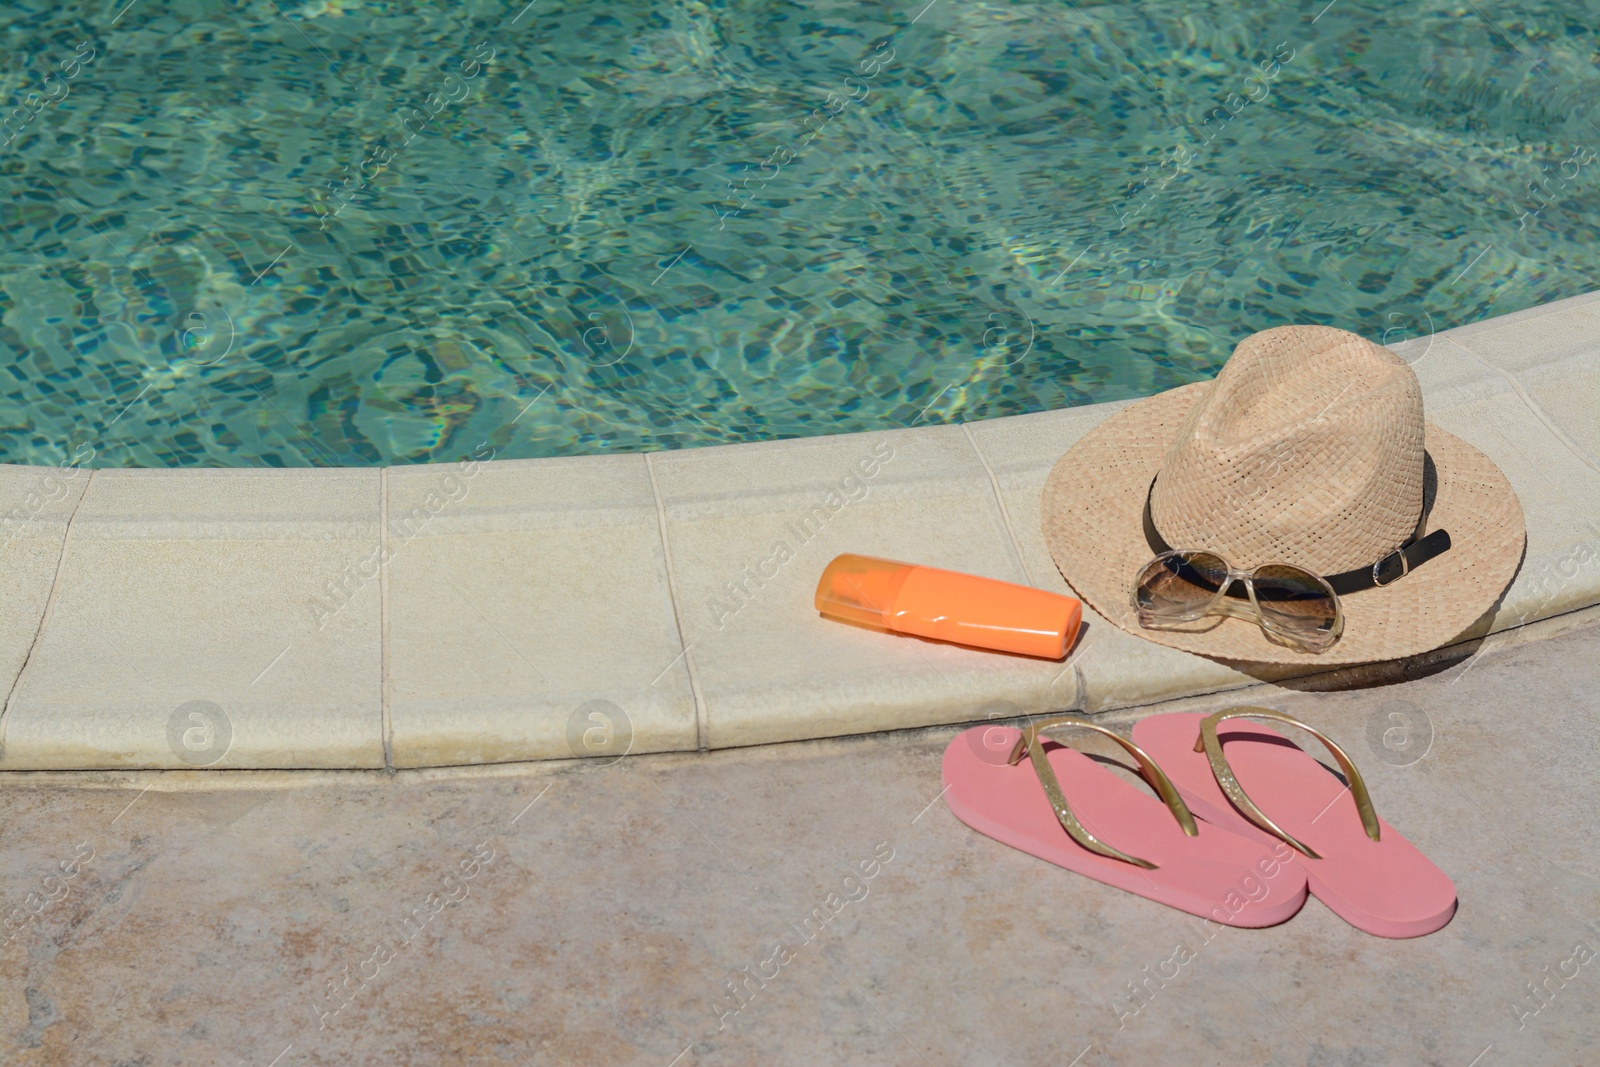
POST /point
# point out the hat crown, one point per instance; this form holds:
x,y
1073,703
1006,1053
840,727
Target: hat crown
x,y
1307,449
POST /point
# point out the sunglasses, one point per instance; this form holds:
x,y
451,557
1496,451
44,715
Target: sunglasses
x,y
1293,606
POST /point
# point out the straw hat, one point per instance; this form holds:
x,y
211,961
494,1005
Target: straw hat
x,y
1309,448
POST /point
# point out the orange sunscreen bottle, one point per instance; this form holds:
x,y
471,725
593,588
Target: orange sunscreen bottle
x,y
948,606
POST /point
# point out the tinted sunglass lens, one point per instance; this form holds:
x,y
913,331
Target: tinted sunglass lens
x,y
1177,585
1298,604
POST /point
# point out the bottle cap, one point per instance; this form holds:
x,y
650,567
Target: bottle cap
x,y
861,589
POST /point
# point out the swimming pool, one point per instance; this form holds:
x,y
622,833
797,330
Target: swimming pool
x,y
330,232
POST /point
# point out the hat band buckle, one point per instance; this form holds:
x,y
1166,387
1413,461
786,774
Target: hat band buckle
x,y
1386,565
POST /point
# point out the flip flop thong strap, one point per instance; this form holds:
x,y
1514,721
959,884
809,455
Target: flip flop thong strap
x,y
1209,743
1029,743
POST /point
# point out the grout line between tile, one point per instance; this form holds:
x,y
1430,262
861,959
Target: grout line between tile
x,y
44,616
677,616
1000,501
386,723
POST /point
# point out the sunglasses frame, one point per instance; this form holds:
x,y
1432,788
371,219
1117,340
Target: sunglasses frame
x,y
1222,604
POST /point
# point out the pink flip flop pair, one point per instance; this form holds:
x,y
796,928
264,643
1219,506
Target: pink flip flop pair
x,y
1236,864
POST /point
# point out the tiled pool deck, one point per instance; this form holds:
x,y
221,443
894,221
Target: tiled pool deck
x,y
523,610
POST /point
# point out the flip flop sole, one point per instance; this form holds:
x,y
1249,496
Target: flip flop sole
x,y
1385,887
1217,875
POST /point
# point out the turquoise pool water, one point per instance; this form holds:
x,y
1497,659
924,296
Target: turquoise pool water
x,y
332,232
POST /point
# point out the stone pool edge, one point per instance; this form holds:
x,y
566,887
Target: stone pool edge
x,y
498,611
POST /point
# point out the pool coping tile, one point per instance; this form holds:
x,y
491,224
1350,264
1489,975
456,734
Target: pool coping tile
x,y
36,508
751,526
183,627
528,614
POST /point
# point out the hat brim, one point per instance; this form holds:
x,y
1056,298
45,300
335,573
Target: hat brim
x,y
1093,516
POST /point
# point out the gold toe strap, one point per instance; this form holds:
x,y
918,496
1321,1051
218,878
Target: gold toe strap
x,y
1212,746
1029,743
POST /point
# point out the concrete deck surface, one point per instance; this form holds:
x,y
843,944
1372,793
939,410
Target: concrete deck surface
x,y
595,913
